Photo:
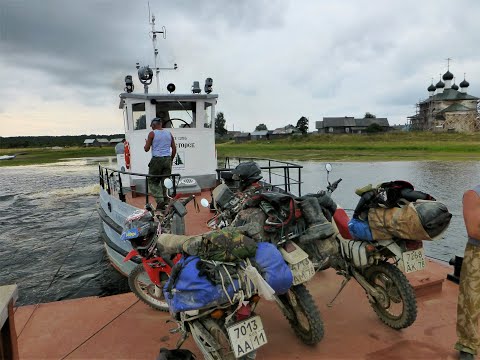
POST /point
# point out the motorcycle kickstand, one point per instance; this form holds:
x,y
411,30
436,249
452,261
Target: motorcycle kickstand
x,y
342,286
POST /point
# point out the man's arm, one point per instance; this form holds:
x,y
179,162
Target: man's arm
x,y
149,141
471,213
174,148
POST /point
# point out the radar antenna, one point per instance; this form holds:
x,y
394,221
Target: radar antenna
x,y
154,32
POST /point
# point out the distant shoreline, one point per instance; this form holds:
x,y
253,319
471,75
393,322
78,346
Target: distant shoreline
x,y
395,146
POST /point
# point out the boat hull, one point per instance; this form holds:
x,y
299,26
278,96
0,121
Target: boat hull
x,y
113,213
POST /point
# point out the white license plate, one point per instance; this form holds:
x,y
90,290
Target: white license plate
x,y
414,260
302,271
247,336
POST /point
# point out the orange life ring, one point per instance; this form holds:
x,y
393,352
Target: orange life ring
x,y
127,155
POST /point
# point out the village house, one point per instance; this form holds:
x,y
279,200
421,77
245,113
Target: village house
x,y
349,125
99,142
242,137
115,141
261,135
284,132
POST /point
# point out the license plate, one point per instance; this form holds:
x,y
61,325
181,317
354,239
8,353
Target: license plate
x,y
247,336
302,271
414,260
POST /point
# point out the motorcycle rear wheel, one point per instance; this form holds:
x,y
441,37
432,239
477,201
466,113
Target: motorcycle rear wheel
x,y
307,322
397,305
219,333
144,288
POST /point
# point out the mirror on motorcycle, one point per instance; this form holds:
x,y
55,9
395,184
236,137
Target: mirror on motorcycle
x,y
204,202
328,167
168,183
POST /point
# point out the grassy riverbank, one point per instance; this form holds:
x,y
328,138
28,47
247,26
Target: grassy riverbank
x,y
31,156
396,146
321,147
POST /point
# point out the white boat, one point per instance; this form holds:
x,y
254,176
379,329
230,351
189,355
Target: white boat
x,y
7,157
190,117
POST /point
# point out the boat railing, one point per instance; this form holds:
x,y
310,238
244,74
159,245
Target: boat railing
x,y
277,174
111,181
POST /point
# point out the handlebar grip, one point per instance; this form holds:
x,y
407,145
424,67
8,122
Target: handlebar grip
x,y
337,182
334,185
187,200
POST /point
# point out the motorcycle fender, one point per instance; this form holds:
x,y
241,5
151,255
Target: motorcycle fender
x,y
130,255
292,253
396,250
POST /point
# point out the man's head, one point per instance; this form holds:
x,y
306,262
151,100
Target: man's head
x,y
156,123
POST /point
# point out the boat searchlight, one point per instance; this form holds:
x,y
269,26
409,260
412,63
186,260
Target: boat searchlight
x,y
196,87
129,84
208,85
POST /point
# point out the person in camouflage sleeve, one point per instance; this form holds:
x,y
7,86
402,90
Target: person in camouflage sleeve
x,y
468,309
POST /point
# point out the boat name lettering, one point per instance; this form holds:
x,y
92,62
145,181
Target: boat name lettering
x,y
186,145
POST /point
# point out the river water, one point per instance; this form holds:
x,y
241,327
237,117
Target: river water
x,y
50,242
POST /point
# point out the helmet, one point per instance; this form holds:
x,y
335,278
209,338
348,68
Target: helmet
x,y
138,225
247,172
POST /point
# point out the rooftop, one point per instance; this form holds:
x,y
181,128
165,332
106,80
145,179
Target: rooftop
x,y
450,94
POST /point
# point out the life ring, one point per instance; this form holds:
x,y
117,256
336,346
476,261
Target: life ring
x,y
127,155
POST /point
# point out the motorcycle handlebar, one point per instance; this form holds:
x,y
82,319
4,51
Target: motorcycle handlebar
x,y
333,186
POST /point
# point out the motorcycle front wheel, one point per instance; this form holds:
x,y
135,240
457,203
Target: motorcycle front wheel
x,y
306,320
397,305
146,290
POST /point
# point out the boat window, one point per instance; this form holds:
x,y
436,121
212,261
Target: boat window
x,y
207,121
139,117
178,114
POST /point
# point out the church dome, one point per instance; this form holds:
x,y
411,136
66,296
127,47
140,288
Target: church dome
x,y
440,85
464,84
447,76
455,87
432,88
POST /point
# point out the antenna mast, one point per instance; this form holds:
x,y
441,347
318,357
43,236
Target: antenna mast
x,y
154,33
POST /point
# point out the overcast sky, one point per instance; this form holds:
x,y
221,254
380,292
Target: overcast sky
x,y
62,62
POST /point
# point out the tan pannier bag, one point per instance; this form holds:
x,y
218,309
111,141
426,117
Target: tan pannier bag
x,y
401,223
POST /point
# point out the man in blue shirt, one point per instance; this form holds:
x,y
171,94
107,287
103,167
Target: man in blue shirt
x,y
163,152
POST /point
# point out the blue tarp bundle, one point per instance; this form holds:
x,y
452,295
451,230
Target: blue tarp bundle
x,y
192,291
360,230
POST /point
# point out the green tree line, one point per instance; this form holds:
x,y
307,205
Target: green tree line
x,y
48,141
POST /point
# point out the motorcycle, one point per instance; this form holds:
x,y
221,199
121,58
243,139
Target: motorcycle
x,y
214,301
142,229
226,332
377,266
237,209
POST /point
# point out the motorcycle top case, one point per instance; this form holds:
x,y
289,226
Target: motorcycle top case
x,y
192,291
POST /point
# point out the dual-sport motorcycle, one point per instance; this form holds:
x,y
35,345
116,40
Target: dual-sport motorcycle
x,y
214,289
236,209
141,229
219,317
376,262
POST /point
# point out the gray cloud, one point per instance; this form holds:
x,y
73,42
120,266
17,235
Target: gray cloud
x,y
272,61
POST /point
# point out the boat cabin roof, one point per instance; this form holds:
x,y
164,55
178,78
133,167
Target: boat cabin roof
x,y
166,97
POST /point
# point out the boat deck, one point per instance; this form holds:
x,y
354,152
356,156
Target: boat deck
x,y
122,327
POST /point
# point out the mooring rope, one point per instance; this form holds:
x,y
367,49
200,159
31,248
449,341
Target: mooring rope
x,y
103,327
54,276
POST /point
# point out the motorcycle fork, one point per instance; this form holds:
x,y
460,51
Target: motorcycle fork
x,y
288,313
